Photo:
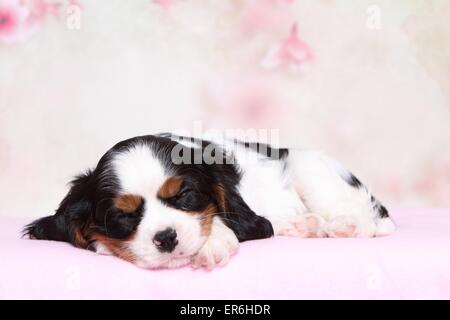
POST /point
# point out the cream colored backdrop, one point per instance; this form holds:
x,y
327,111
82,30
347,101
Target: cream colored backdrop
x,y
366,81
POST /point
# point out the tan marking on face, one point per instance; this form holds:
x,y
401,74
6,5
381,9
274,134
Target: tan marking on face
x,y
119,248
211,210
128,203
170,188
219,192
206,217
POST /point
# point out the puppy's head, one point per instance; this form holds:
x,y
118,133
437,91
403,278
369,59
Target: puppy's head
x,y
142,207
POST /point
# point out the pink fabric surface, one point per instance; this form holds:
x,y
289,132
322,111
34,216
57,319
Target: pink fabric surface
x,y
412,263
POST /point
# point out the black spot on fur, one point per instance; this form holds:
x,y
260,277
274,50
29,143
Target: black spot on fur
x,y
356,183
265,149
379,208
353,181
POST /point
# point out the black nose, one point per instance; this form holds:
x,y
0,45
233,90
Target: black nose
x,y
166,240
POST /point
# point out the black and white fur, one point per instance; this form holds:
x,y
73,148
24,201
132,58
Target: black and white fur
x,y
263,191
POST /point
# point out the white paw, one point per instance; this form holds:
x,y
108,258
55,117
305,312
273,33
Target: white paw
x,y
218,249
309,225
343,227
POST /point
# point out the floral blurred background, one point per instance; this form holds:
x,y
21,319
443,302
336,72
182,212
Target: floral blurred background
x,y
365,81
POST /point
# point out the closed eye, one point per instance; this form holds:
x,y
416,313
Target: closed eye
x,y
184,193
188,198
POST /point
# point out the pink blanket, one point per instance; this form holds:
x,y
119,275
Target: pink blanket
x,y
412,263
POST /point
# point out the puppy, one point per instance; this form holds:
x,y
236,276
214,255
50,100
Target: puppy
x,y
164,201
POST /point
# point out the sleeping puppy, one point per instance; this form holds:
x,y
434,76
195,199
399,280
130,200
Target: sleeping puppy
x,y
164,201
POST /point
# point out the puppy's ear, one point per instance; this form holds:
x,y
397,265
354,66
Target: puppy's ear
x,y
71,218
238,216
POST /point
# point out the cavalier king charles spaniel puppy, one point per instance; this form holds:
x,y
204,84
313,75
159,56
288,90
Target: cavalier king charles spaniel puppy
x,y
165,201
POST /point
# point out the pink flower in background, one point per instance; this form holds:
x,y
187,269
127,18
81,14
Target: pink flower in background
x,y
12,16
285,1
292,51
20,18
41,8
266,15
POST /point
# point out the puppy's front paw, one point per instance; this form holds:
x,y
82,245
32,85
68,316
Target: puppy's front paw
x,y
218,249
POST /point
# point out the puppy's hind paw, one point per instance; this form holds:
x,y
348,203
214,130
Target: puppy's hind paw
x,y
342,227
305,226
